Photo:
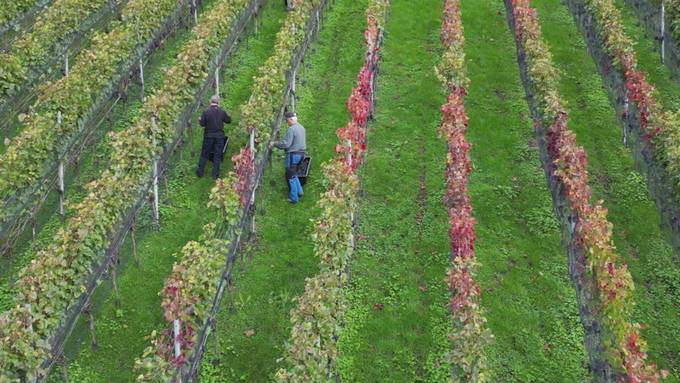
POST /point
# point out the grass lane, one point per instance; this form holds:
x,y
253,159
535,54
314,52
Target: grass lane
x,y
396,296
530,300
121,329
282,254
637,233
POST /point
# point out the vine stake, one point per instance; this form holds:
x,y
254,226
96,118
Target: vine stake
x,y
133,230
141,78
663,31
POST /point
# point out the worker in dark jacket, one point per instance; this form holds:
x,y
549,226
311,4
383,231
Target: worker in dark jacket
x,y
295,145
213,120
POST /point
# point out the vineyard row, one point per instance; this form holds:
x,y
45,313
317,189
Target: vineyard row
x,y
603,283
192,293
311,353
64,274
470,334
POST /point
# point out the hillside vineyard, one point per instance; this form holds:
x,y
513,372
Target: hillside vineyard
x,y
440,191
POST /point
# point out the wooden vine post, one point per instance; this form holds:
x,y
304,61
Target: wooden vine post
x,y
217,81
293,87
155,207
350,160
60,185
626,104
318,21
662,31
133,231
251,144
177,344
194,11
192,151
141,77
34,225
156,215
349,153
113,269
60,172
255,21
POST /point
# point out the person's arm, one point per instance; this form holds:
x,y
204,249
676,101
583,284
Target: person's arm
x,y
226,118
287,140
202,120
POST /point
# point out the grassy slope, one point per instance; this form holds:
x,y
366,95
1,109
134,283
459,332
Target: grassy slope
x,y
531,304
637,234
91,164
401,252
121,329
523,263
283,253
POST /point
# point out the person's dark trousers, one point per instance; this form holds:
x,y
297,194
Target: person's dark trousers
x,y
214,145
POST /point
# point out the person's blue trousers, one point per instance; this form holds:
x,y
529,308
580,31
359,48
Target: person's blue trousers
x,y
294,186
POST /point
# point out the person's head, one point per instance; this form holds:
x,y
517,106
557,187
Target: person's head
x,y
291,118
214,100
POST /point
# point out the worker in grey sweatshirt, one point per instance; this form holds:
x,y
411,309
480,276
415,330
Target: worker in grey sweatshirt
x,y
295,145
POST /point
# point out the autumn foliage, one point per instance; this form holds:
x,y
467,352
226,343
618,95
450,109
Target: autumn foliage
x,y
311,353
604,274
469,336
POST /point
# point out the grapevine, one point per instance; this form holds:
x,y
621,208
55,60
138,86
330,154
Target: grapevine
x,y
189,289
96,72
470,335
608,278
13,9
57,275
311,353
54,28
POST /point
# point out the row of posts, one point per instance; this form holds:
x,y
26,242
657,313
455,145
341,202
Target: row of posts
x,y
176,325
155,197
60,182
155,192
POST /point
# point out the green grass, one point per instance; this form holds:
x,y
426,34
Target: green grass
x,y
637,233
121,329
398,317
282,253
397,321
530,301
399,264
